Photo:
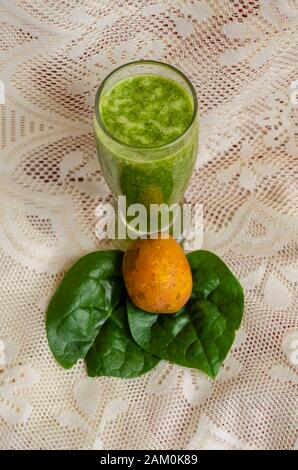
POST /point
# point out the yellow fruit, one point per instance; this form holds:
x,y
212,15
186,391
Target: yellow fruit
x,y
157,275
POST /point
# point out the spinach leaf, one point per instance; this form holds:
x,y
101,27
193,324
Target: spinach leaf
x,y
201,334
114,352
89,292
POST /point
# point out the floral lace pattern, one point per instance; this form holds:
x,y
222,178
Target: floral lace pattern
x,y
242,58
15,383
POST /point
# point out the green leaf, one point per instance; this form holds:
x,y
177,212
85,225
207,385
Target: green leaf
x,y
201,334
89,292
114,352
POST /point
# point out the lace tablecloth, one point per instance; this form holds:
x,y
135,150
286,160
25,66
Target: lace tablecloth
x,y
242,57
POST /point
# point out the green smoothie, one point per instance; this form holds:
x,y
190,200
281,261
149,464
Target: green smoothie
x,y
146,111
146,138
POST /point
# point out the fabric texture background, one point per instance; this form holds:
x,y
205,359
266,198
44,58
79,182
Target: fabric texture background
x,y
242,57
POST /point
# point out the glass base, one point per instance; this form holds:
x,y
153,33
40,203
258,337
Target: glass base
x,y
129,229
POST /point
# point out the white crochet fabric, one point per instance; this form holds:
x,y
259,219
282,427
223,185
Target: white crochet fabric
x,y
242,57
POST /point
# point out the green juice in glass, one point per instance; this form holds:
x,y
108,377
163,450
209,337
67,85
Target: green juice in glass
x,y
146,132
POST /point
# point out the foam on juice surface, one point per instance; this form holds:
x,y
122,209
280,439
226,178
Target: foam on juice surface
x,y
146,110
